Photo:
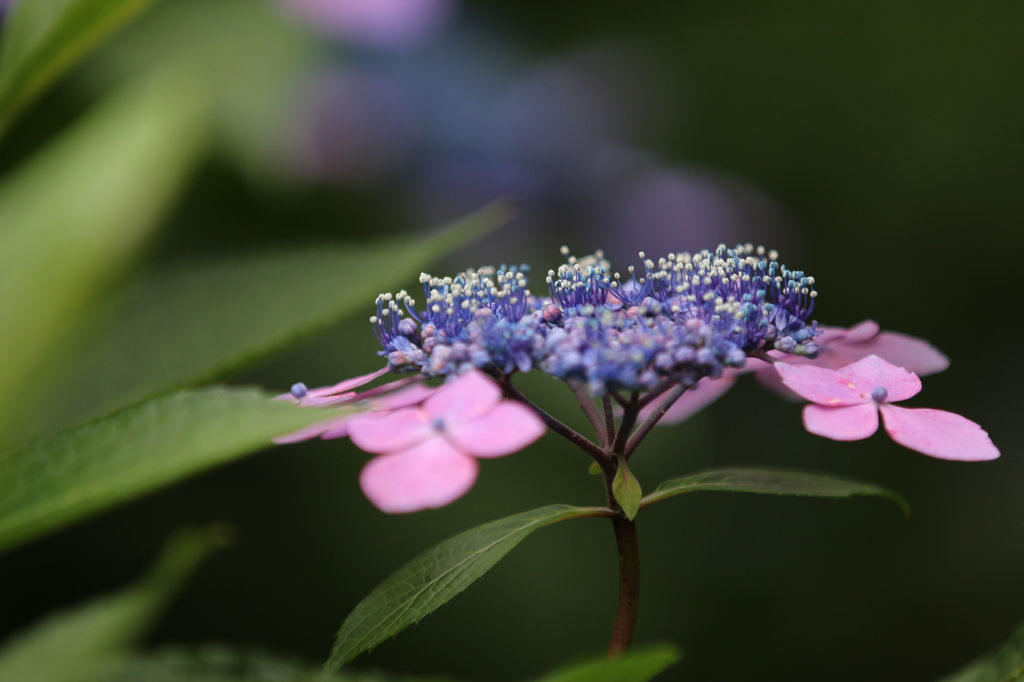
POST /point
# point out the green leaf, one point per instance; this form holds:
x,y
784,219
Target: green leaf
x,y
217,663
77,213
52,481
595,469
196,324
42,39
627,490
1005,664
639,665
255,90
434,577
771,482
76,645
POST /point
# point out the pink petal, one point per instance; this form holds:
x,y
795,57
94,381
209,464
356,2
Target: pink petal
x,y
871,372
828,335
389,431
771,380
405,397
850,422
938,433
862,331
347,384
909,352
469,396
323,401
308,432
428,476
702,394
339,429
507,428
819,385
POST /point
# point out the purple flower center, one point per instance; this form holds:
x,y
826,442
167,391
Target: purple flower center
x,y
879,394
299,390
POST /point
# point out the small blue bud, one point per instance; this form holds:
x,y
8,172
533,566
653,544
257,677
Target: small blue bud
x,y
408,327
811,350
299,390
785,344
736,358
879,394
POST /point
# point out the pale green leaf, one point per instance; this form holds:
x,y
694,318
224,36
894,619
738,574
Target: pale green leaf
x,y
52,481
42,39
434,577
771,482
626,490
639,665
257,92
195,324
1005,664
74,216
76,645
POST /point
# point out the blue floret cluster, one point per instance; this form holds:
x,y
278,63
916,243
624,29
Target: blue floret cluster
x,y
686,316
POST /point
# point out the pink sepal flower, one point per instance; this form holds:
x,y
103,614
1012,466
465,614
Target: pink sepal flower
x,y
846,403
331,395
428,453
839,347
337,427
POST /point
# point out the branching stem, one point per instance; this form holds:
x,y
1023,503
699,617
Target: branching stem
x,y
586,402
649,422
580,441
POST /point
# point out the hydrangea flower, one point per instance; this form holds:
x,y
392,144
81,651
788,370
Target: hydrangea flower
x,y
845,404
686,317
427,454
660,344
837,347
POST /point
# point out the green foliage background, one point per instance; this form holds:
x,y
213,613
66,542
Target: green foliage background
x,y
890,131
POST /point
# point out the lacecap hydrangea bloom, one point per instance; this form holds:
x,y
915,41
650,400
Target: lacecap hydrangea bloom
x,y
682,327
686,317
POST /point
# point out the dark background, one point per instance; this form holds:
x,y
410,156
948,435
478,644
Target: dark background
x,y
878,145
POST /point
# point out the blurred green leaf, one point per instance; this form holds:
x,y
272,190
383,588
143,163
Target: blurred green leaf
x,y
1005,664
639,665
195,324
52,481
434,577
771,482
217,663
257,91
627,490
42,39
76,214
76,645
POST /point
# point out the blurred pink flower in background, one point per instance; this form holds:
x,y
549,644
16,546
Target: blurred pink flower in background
x,y
381,24
846,403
